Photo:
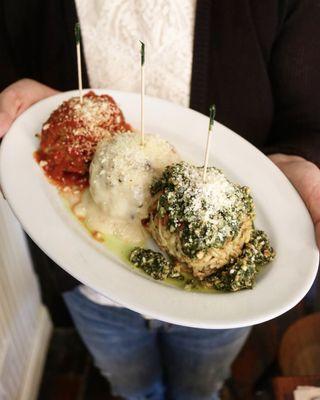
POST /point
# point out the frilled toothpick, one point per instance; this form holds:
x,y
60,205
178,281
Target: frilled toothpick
x,y
78,38
211,121
142,53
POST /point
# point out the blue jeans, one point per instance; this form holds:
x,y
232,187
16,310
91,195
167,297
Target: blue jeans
x,y
150,359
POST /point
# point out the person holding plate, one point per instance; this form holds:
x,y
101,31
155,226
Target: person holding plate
x,y
257,61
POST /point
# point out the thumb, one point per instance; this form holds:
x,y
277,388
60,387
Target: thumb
x,y
19,96
5,123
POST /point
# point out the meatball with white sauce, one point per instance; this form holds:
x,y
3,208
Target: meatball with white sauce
x,y
122,171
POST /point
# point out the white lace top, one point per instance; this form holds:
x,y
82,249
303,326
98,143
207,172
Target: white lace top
x,y
111,30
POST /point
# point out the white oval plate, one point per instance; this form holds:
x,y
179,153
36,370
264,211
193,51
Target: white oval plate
x,y
280,212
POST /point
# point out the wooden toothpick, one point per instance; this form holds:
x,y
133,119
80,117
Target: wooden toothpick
x,y
78,35
142,53
211,121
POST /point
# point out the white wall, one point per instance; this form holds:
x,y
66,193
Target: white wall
x,y
24,323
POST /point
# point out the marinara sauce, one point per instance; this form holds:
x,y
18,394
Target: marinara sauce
x,y
69,138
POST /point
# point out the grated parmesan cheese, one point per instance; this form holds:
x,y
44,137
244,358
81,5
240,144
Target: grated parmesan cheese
x,y
203,215
122,171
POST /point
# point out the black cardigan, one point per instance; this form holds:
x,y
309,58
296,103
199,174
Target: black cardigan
x,y
258,61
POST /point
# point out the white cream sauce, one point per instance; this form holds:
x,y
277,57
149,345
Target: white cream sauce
x,y
120,177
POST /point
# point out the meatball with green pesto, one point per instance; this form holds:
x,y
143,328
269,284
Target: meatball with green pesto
x,y
202,225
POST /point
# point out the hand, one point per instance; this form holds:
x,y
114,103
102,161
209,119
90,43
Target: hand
x,y
19,96
305,177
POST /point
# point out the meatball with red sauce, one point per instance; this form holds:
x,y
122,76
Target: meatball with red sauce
x,y
70,136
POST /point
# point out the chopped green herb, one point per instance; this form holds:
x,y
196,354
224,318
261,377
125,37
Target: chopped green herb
x,y
153,264
238,274
203,215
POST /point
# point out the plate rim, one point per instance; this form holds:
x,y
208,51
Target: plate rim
x,y
56,259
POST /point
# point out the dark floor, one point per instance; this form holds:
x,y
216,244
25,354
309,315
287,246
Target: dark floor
x,y
70,375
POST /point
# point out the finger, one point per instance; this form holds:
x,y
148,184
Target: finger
x,y
318,233
17,97
30,92
305,176
5,123
308,186
10,102
313,201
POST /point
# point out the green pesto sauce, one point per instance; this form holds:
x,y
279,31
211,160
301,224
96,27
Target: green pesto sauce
x,y
238,274
256,253
199,226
